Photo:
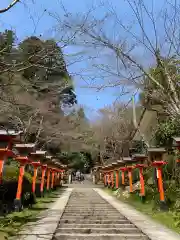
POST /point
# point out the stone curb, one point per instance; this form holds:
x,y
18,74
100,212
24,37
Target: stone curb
x,y
45,227
152,229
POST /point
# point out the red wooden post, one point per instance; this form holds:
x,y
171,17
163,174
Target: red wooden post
x,y
106,176
141,177
112,179
39,156
130,169
156,155
109,179
141,158
43,168
52,178
23,153
158,165
48,178
17,202
123,169
117,179
35,165
116,173
105,179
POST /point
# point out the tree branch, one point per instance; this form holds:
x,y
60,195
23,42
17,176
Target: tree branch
x,y
9,7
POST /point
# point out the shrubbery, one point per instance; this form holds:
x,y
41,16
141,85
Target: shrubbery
x,y
8,188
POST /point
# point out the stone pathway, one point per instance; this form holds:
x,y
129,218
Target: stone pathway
x,y
88,216
87,213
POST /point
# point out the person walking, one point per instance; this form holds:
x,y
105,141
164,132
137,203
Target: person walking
x,y
82,178
70,177
78,175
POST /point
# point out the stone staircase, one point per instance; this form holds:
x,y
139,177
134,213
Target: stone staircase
x,y
89,217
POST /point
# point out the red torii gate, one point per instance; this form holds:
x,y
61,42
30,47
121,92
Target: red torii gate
x,y
39,158
7,138
23,158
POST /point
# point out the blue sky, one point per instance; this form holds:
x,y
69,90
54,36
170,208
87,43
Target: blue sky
x,y
21,18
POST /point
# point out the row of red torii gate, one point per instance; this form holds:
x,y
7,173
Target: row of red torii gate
x,y
111,173
13,146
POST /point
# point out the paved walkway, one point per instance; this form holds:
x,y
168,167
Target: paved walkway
x,y
88,216
85,212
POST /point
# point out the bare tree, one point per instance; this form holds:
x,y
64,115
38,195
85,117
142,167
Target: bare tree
x,y
112,131
123,50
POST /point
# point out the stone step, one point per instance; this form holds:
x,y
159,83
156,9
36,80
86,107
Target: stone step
x,y
77,218
97,221
88,216
96,225
91,213
116,215
100,230
90,210
87,199
70,204
85,203
89,206
99,237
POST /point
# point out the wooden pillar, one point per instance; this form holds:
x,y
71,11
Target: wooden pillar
x,y
117,179
43,168
34,180
160,184
3,155
109,179
123,177
141,160
105,179
1,168
35,165
129,168
158,165
48,178
17,201
112,179
55,178
141,176
156,157
123,169
52,179
20,182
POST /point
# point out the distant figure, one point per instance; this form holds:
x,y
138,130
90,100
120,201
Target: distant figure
x,y
78,176
70,178
82,178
